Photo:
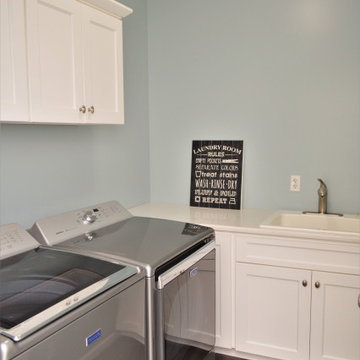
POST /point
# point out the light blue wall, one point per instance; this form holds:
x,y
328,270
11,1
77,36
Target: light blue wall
x,y
49,169
284,76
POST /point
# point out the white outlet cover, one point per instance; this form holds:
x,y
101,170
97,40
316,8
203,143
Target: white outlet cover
x,y
295,183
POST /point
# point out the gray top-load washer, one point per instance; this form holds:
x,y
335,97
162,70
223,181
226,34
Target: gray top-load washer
x,y
178,310
57,304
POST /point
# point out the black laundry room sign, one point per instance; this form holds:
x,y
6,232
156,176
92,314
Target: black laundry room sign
x,y
216,174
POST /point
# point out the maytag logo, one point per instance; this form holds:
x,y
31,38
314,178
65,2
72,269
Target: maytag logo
x,y
90,339
193,272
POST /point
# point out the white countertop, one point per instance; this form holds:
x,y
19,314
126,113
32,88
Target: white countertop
x,y
241,221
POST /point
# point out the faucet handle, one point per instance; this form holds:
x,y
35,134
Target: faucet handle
x,y
321,182
323,189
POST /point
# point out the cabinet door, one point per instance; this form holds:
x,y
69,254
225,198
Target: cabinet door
x,y
55,61
335,317
224,289
272,311
103,67
14,91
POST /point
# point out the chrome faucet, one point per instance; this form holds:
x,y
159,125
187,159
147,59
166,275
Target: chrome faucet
x,y
322,209
322,192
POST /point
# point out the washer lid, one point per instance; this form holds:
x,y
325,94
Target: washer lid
x,y
38,286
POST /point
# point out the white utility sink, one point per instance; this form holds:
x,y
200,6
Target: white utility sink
x,y
316,222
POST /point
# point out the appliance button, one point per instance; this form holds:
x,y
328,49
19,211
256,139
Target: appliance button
x,y
88,217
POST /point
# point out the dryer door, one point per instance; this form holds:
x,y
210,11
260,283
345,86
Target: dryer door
x,y
186,310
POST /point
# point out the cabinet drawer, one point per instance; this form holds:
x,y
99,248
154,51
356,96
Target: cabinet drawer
x,y
298,253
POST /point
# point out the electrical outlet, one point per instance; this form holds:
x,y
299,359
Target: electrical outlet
x,y
295,183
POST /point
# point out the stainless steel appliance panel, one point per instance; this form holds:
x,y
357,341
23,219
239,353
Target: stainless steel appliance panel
x,y
41,285
158,246
109,327
146,242
186,311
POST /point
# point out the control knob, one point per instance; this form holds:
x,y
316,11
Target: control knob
x,y
88,217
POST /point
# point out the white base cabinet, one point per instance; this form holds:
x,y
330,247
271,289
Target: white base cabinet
x,y
294,299
274,307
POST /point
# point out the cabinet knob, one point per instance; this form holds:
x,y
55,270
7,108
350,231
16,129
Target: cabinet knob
x,y
304,283
317,284
82,109
91,109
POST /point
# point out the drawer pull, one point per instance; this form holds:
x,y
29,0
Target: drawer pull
x,y
317,284
359,300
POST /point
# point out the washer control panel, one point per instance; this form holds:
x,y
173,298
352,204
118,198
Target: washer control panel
x,y
55,229
15,240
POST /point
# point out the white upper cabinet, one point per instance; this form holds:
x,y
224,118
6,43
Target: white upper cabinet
x,y
103,80
74,53
14,91
55,61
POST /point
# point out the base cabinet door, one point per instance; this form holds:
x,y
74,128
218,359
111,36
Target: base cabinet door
x,y
335,317
272,311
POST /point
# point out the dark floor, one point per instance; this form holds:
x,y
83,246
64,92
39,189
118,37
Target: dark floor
x,y
176,351
226,357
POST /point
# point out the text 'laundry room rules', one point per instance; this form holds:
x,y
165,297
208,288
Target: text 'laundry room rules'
x,y
216,173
